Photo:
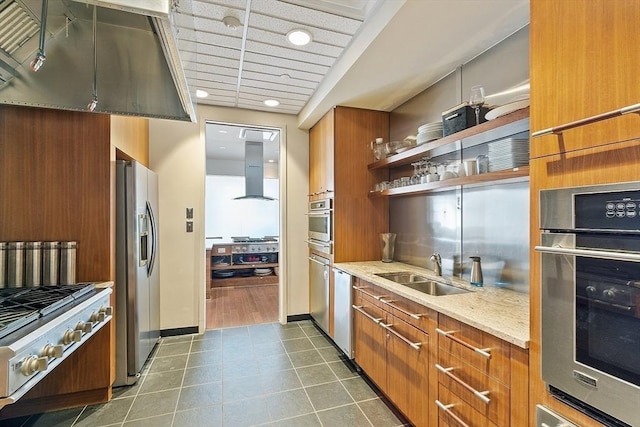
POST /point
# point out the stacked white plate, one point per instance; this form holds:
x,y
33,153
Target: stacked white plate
x,y
508,153
429,132
262,271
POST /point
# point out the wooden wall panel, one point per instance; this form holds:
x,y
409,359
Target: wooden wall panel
x,y
358,219
131,136
55,181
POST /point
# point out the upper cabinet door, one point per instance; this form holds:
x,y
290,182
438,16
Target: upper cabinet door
x,y
321,163
584,62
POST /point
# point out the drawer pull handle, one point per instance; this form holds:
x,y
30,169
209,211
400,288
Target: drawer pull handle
x,y
391,304
484,352
359,309
414,345
447,409
482,395
363,290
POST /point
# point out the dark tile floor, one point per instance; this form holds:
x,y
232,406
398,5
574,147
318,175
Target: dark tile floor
x,y
269,374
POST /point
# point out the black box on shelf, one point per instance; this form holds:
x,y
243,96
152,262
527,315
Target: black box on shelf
x,y
461,117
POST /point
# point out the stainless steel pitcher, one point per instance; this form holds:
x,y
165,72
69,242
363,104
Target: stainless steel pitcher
x,y
476,272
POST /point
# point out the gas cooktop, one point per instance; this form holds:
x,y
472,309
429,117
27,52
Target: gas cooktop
x,y
22,306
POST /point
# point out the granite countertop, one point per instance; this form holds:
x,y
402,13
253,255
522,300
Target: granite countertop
x,y
500,312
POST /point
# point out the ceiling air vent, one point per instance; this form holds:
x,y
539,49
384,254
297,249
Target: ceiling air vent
x,y
16,27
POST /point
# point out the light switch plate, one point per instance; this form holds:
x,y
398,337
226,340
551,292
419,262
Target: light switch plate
x,y
189,226
189,213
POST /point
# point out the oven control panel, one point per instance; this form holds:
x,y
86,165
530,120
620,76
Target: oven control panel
x,y
608,211
40,351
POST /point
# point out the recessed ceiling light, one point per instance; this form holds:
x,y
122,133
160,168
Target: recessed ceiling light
x,y
223,148
271,103
201,93
271,161
299,37
222,131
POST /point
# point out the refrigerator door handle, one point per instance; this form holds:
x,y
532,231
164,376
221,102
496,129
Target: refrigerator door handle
x,y
154,239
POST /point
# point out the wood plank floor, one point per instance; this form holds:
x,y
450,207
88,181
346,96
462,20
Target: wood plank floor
x,y
241,306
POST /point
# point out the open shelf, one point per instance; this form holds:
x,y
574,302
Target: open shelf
x,y
520,174
502,127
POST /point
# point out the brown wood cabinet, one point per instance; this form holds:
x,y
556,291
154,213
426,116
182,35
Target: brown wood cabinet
x,y
476,372
339,151
57,180
584,62
577,71
393,352
338,157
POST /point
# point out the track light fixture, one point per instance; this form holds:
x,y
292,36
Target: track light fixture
x,y
38,61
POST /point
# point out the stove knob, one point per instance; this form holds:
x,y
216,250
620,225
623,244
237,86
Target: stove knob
x,y
85,327
97,317
592,291
610,293
33,364
108,311
244,249
52,351
71,336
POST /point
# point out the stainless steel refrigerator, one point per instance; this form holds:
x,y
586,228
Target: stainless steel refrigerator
x,y
137,276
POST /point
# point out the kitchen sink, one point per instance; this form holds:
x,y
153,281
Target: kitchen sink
x,y
435,288
422,284
403,277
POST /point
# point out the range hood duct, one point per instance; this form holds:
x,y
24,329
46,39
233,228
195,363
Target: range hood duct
x,y
141,72
254,171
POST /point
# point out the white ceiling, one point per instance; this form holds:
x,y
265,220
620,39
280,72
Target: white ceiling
x,y
365,53
226,141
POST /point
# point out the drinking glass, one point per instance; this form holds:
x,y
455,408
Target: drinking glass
x,y
476,99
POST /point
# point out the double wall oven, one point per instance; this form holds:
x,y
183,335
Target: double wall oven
x,y
590,257
320,243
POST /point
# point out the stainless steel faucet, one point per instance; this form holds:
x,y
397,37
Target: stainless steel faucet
x,y
437,263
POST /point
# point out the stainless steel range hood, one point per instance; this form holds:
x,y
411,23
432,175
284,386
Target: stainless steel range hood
x,y
139,70
254,171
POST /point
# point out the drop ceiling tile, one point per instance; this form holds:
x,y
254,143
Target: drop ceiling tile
x,y
267,93
281,27
206,69
305,16
245,83
292,54
232,81
279,71
251,75
292,64
210,7
209,54
219,40
280,40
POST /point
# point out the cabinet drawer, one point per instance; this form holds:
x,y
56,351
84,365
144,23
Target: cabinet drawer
x,y
455,412
368,307
487,353
373,292
409,311
483,393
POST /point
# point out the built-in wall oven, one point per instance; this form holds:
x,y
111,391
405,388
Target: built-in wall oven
x,y
320,225
590,278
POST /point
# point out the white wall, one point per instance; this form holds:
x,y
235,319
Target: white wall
x,y
177,154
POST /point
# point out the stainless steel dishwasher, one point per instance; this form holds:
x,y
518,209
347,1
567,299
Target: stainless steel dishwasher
x,y
319,291
342,312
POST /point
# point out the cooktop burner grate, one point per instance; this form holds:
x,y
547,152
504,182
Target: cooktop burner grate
x,y
21,306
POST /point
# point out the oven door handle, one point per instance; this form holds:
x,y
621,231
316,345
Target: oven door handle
x,y
318,243
619,256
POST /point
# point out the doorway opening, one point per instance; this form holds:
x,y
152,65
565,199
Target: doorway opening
x,y
242,224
